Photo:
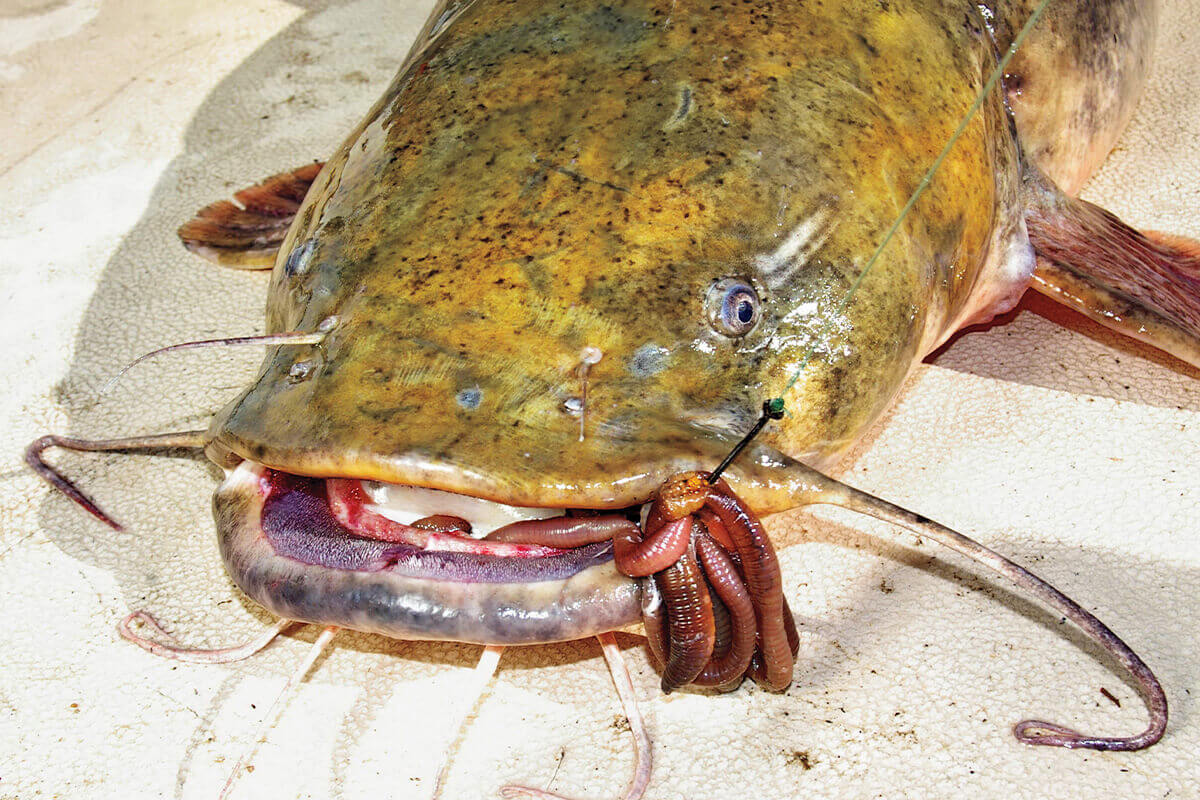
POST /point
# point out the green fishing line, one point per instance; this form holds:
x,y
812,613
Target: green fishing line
x,y
775,408
990,84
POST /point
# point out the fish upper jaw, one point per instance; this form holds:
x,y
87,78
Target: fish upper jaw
x,y
522,467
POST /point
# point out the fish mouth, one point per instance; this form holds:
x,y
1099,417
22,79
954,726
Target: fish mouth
x,y
350,553
421,546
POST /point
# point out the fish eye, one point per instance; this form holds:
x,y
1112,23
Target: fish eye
x,y
732,306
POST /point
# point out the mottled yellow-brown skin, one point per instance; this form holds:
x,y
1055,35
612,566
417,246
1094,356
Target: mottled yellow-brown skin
x,y
543,178
1074,84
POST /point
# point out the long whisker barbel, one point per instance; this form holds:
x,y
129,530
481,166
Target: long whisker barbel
x,y
179,440
266,339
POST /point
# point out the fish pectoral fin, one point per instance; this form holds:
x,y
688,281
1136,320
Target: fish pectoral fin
x,y
1145,285
246,232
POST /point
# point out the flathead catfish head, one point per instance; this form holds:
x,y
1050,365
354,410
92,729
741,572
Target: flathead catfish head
x,y
574,247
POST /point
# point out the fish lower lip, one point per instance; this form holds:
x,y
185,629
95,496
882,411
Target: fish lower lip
x,y
284,547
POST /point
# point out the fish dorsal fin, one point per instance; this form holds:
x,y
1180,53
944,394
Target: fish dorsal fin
x,y
1145,285
246,232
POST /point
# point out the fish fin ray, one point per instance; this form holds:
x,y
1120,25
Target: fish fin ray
x,y
246,232
1144,285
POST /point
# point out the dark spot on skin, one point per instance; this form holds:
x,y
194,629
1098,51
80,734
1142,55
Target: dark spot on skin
x,y
683,111
870,48
536,273
385,413
470,398
333,226
580,178
802,758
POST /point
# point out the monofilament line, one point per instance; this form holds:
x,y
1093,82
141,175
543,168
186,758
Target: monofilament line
x,y
990,84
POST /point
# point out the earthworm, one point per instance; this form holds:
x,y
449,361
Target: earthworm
x,y
699,602
690,625
722,626
756,671
655,625
723,576
443,523
654,622
565,532
756,636
789,627
662,547
712,524
723,641
682,495
655,517
763,580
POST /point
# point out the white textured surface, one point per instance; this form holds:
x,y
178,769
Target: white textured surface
x,y
1074,456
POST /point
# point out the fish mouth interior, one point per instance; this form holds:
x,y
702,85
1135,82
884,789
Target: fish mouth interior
x,y
407,504
318,550
372,526
422,563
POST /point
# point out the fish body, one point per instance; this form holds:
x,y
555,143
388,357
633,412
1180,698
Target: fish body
x,y
572,249
539,181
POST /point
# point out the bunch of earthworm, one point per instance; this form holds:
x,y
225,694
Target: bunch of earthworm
x,y
712,598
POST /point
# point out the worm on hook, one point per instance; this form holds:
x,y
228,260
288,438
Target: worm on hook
x,y
714,609
565,532
690,626
722,574
763,580
664,544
